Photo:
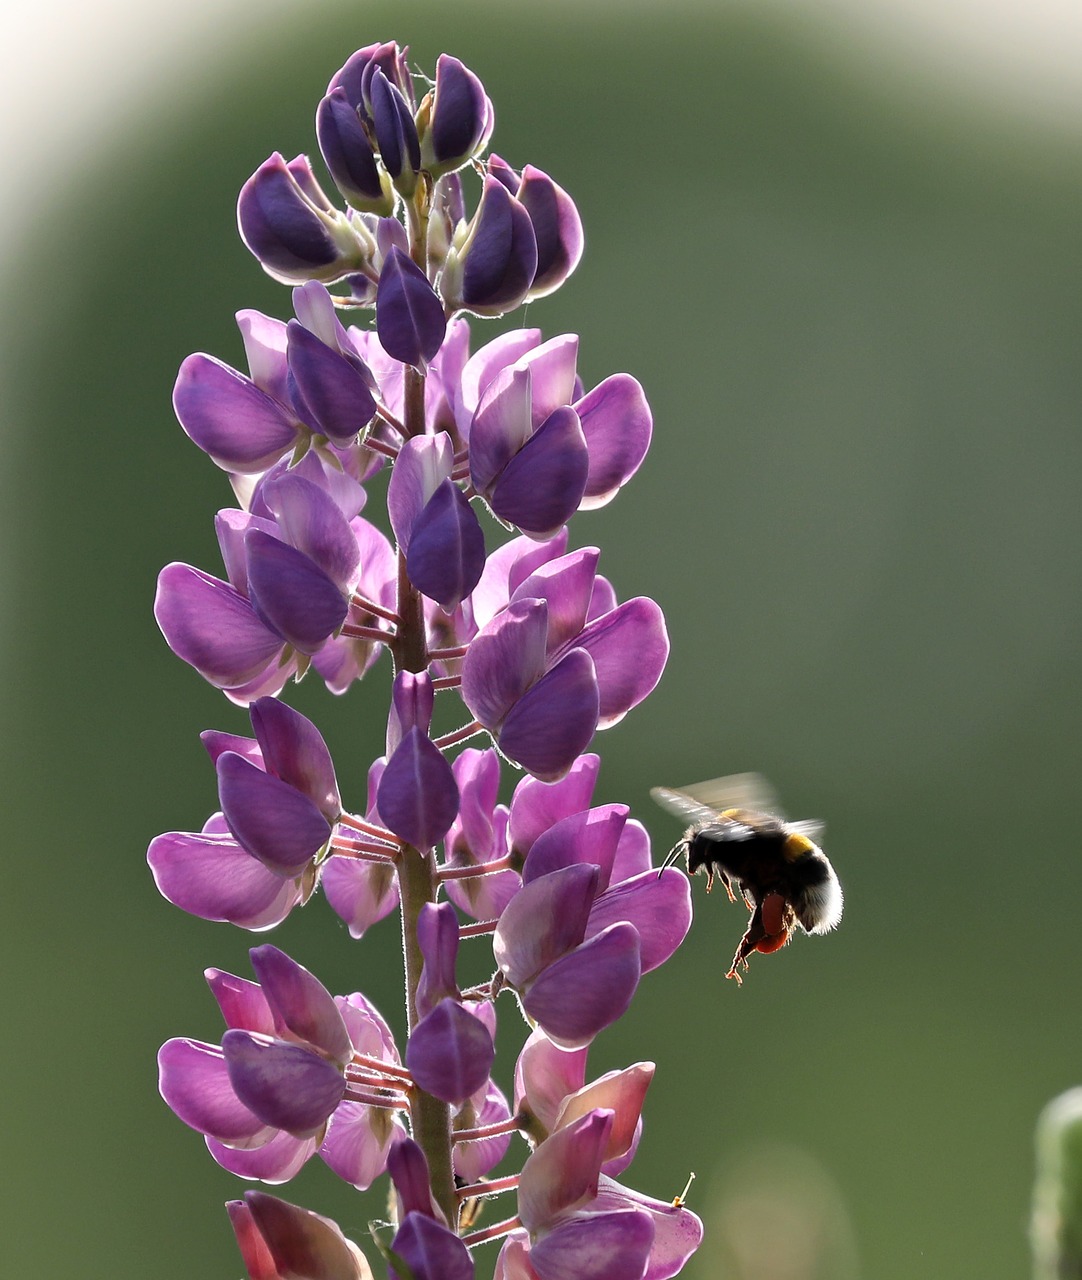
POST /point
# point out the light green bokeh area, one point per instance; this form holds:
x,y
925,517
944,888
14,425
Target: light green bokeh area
x,y
856,312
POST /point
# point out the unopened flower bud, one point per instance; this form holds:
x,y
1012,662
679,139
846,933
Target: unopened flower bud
x,y
349,156
491,268
455,120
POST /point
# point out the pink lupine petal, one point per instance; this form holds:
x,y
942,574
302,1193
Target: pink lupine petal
x,y
304,1245
535,806
595,1246
501,425
632,853
566,585
357,1142
603,599
473,1160
543,921
540,488
630,647
483,365
278,1161
659,906
562,1173
194,1081
212,877
545,1075
230,526
450,1053
552,365
622,1092
217,743
258,1261
506,568
422,465
301,1004
368,1031
293,750
310,520
228,417
286,1086
590,837
554,720
242,1003
588,989
271,819
212,627
265,348
677,1231
504,660
418,795
617,424
361,893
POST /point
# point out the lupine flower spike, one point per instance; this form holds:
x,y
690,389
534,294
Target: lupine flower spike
x,y
521,632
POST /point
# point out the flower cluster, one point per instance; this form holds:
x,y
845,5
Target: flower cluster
x,y
541,653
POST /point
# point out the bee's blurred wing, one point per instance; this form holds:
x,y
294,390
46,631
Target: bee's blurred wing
x,y
684,806
735,791
810,827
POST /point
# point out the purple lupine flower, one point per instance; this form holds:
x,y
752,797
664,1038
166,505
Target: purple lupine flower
x,y
492,262
277,1088
350,157
556,224
458,118
479,836
362,893
409,315
291,227
282,1241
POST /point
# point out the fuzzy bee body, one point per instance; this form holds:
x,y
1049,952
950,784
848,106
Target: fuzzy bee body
x,y
738,836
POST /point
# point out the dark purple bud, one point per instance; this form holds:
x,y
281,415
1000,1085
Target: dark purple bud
x,y
294,1243
355,75
430,1250
595,1246
302,1006
293,749
557,229
210,625
408,1170
241,427
295,237
544,921
409,315
460,118
396,133
617,424
418,795
272,820
554,721
450,1053
541,487
291,592
437,937
349,156
498,168
447,548
492,271
335,395
588,989
285,1085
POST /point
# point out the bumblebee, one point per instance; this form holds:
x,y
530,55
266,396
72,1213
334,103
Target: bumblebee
x,y
739,836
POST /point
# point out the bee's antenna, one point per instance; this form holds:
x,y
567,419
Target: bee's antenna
x,y
672,856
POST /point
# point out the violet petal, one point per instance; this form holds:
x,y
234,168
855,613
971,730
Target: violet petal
x,y
553,722
557,228
461,115
339,401
409,315
541,487
430,1250
504,660
292,592
278,1160
349,156
659,906
590,837
545,1075
617,424
447,548
450,1053
422,465
501,425
588,989
500,256
194,1081
357,1142
566,584
301,1004
543,921
273,821
361,893
595,1246
630,647
437,938
535,805
283,1084
418,795
283,228
242,1003
677,1231
229,418
293,750
562,1173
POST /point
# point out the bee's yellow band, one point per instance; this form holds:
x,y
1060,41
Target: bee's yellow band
x,y
796,847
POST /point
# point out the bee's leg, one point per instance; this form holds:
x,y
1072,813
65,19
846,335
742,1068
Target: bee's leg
x,y
724,878
709,877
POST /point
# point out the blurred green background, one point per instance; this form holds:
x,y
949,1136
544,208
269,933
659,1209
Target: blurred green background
x,y
855,306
